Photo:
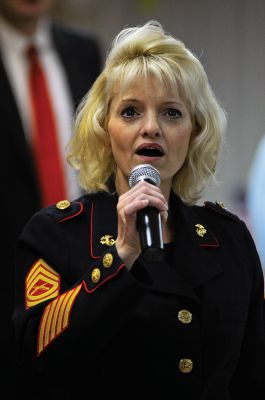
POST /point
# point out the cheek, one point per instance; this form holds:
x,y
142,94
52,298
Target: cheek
x,y
118,144
117,141
114,126
120,135
180,144
113,131
182,139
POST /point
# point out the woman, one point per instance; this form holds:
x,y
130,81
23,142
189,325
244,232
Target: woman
x,y
92,316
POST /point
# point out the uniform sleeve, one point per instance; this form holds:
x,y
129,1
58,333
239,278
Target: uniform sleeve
x,y
60,321
249,381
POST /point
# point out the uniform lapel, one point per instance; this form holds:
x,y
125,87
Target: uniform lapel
x,y
194,260
195,245
12,127
103,223
81,63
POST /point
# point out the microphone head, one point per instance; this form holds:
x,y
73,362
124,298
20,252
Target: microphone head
x,y
144,172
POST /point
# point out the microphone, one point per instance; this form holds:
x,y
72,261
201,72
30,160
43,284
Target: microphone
x,y
148,219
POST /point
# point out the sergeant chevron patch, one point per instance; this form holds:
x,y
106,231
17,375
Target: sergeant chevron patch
x,y
42,283
56,317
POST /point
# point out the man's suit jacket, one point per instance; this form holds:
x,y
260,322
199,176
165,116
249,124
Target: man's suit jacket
x,y
86,325
20,196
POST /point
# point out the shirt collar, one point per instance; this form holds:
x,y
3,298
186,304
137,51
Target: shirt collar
x,y
14,40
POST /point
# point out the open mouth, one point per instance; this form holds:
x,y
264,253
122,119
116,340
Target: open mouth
x,y
150,152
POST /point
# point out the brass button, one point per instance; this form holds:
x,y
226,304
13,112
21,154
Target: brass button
x,y
185,316
96,274
63,204
185,365
107,260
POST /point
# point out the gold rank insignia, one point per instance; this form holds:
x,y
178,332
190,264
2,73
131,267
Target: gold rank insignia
x,y
42,283
107,240
200,230
56,317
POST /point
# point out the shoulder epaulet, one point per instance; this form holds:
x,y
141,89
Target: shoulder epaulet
x,y
64,210
220,208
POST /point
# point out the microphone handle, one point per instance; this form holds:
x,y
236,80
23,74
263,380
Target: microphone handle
x,y
150,232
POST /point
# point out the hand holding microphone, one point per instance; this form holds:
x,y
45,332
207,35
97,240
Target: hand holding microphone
x,y
149,218
139,217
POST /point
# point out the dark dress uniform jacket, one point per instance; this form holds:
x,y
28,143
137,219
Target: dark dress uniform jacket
x,y
20,195
86,326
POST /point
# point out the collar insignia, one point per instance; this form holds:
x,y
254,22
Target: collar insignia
x,y
107,240
221,204
200,230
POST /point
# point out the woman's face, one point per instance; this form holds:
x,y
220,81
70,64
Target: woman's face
x,y
146,125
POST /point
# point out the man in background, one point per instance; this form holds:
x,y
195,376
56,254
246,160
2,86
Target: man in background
x,y
71,61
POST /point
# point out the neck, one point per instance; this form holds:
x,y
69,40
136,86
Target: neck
x,y
25,26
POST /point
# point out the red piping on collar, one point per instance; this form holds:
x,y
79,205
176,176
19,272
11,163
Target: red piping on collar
x,y
210,245
91,233
73,215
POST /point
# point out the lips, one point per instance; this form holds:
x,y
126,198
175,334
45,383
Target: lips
x,y
150,150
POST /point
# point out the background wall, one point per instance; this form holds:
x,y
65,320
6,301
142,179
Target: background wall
x,y
229,38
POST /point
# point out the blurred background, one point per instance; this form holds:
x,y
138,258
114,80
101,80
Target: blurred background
x,y
229,38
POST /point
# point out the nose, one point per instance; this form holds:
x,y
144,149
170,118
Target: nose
x,y
151,126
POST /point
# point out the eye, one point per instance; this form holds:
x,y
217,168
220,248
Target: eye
x,y
129,112
172,113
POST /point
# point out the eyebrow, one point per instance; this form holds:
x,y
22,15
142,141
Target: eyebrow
x,y
133,100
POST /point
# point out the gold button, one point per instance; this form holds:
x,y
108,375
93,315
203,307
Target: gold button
x,y
185,316
63,204
185,365
107,260
96,274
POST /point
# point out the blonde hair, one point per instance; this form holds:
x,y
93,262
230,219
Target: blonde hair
x,y
141,51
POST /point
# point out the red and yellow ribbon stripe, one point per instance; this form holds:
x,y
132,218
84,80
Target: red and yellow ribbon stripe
x,y
56,317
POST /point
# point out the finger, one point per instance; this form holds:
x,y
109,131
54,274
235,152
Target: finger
x,y
164,217
136,196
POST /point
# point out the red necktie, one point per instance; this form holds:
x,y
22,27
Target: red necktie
x,y
45,141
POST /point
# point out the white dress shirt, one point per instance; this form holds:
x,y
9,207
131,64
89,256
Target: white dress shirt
x,y
13,50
